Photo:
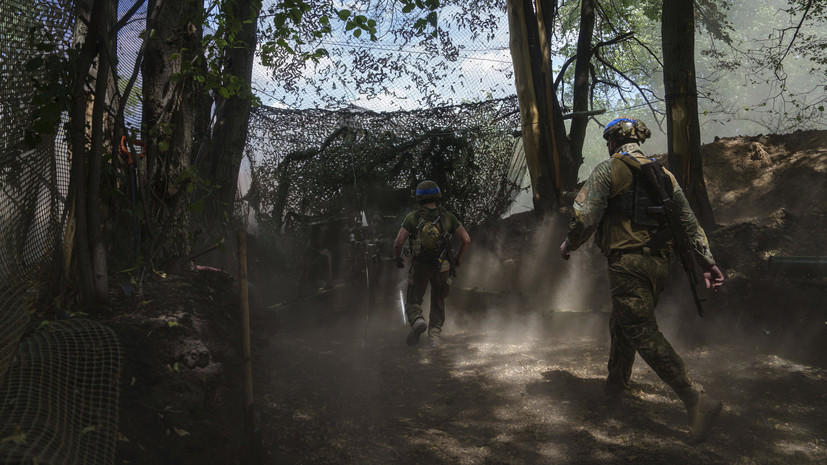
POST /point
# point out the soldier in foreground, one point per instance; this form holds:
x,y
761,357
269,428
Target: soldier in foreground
x,y
619,204
430,229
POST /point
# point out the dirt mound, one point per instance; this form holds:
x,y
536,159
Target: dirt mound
x,y
750,178
769,197
180,384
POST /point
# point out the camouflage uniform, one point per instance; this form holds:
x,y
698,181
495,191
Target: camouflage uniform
x,y
636,273
435,272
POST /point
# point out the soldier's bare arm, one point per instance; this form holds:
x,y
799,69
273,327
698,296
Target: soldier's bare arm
x,y
465,241
398,243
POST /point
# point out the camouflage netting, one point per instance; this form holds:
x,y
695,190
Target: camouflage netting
x,y
58,385
318,163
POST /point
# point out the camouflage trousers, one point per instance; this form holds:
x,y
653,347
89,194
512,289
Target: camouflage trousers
x,y
419,277
636,282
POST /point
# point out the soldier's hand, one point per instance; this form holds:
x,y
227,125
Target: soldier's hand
x,y
457,261
400,263
713,278
564,251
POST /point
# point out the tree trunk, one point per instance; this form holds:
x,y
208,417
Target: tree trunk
x,y
79,147
168,118
683,128
103,19
577,133
232,115
563,166
532,85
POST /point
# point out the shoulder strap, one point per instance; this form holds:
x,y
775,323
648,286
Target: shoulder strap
x,y
655,176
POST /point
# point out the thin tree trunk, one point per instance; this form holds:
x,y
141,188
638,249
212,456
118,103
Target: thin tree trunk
x,y
79,146
232,115
103,19
579,122
683,127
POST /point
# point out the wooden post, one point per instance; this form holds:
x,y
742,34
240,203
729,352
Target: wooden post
x,y
247,360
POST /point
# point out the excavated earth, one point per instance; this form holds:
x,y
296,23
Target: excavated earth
x,y
518,376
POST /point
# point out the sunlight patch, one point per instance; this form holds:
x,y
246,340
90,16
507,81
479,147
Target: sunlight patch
x,y
774,361
809,452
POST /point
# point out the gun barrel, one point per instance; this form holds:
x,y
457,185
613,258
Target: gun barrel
x,y
800,267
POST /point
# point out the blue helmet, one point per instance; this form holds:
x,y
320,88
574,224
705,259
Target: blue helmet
x,y
626,129
427,190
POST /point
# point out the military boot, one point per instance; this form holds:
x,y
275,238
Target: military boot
x,y
701,417
434,336
417,328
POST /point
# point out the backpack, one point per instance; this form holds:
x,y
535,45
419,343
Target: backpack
x,y
644,202
429,240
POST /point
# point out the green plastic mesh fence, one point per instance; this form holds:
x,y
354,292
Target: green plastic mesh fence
x,y
58,385
59,403
33,180
12,325
316,163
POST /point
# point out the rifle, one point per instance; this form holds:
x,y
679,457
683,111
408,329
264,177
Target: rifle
x,y
656,178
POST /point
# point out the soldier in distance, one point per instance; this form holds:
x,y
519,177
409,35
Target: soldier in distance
x,y
429,230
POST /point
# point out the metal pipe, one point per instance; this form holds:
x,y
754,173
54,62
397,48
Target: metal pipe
x,y
809,267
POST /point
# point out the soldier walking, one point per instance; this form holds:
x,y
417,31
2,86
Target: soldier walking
x,y
615,204
429,229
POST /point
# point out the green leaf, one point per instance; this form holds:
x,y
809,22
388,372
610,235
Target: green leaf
x,y
343,14
357,33
163,146
197,207
224,92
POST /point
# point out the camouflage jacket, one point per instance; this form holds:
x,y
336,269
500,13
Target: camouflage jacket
x,y
615,231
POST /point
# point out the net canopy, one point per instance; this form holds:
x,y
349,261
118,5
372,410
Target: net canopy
x,y
316,163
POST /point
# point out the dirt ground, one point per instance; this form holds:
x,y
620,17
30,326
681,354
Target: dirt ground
x,y
525,391
519,375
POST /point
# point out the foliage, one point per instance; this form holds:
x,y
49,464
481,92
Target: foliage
x,y
770,76
324,54
51,68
